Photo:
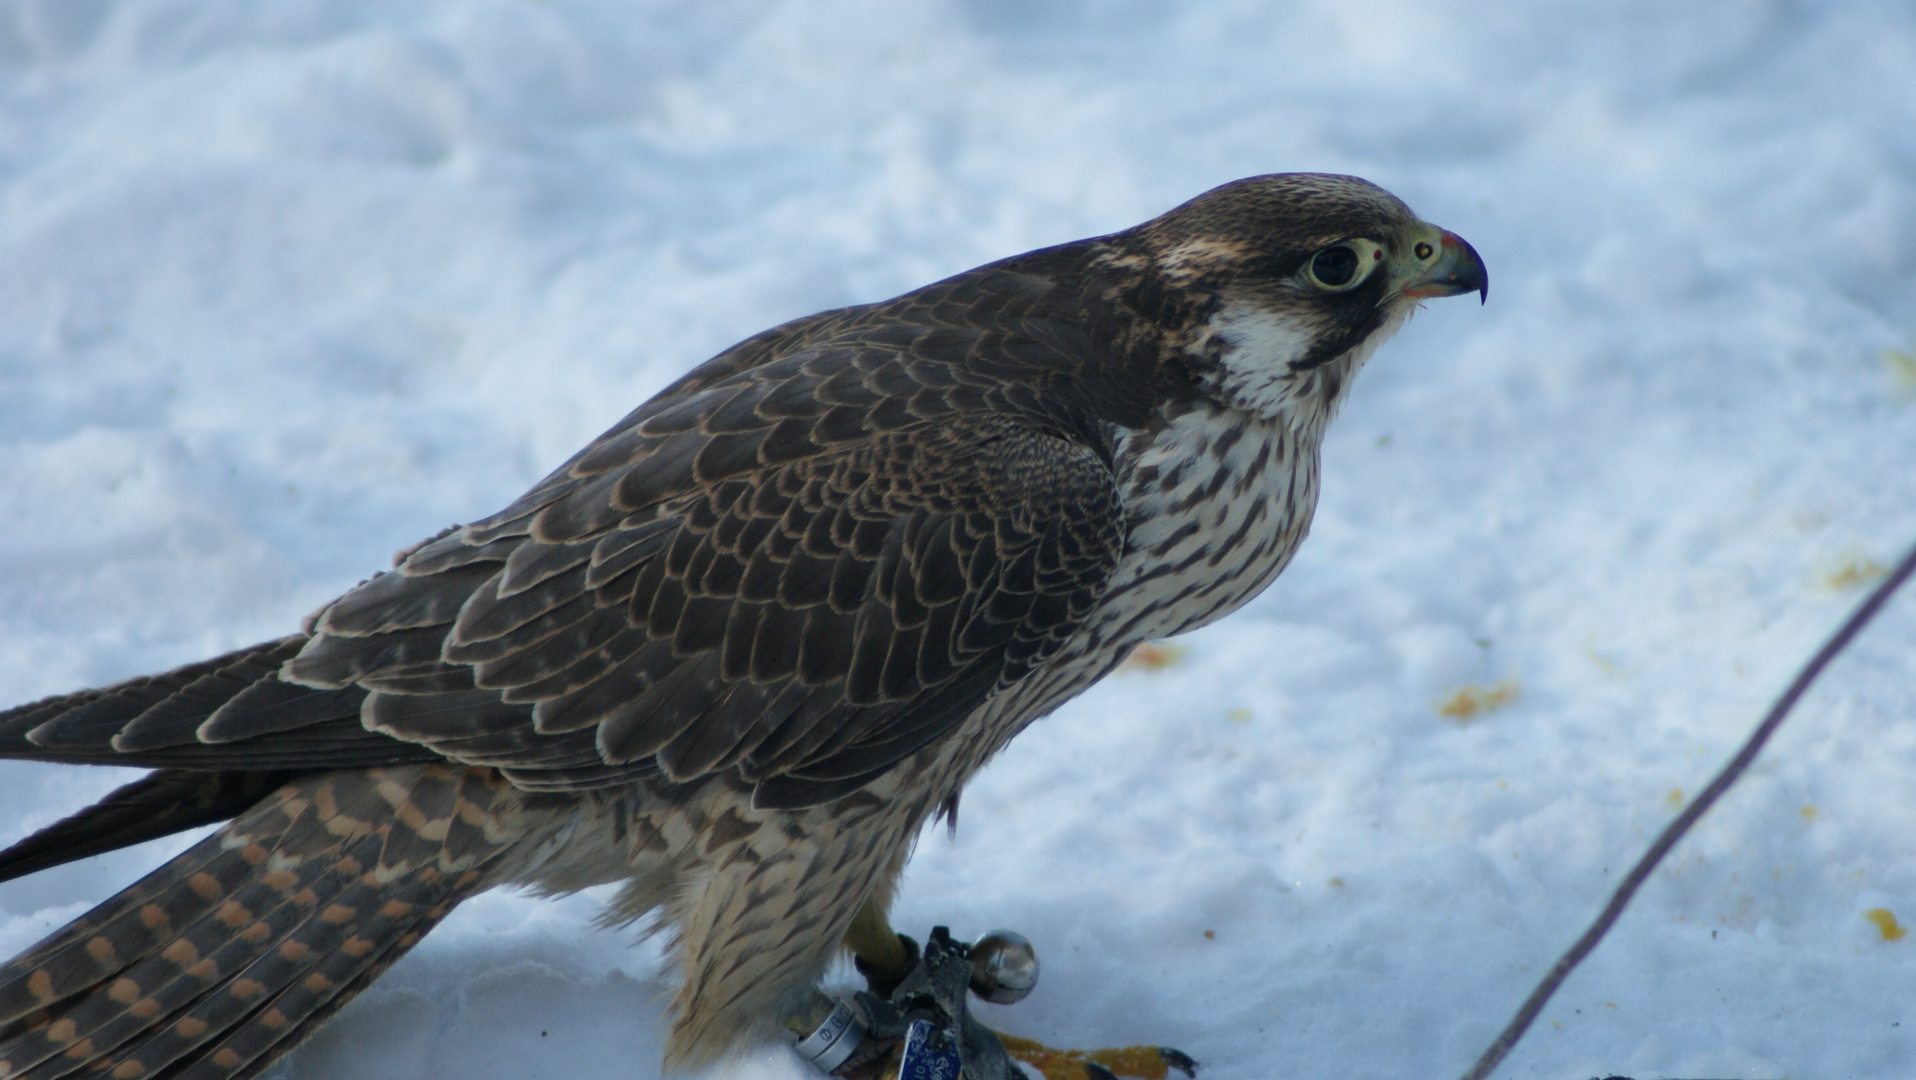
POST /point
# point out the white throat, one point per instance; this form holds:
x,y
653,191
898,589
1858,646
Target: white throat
x,y
1259,348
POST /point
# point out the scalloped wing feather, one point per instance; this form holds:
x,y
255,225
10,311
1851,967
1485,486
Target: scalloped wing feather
x,y
807,560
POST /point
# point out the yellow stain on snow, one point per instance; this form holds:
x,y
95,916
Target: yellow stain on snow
x,y
1808,812
1809,520
1153,656
1886,923
1849,569
1604,663
1902,370
1469,701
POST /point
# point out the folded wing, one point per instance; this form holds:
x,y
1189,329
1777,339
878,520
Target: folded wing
x,y
803,570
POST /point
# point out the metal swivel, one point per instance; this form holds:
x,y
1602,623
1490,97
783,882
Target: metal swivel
x,y
1004,967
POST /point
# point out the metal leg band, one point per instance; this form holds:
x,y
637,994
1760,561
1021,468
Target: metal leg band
x,y
833,1040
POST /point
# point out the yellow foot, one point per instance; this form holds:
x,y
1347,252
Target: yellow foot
x,y
1143,1062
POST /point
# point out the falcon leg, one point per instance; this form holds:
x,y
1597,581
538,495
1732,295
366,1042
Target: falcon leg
x,y
838,1037
883,955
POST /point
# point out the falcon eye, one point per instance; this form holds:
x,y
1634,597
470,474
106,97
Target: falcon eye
x,y
1424,250
1334,268
1343,266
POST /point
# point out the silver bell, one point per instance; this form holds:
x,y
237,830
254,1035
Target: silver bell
x,y
1004,967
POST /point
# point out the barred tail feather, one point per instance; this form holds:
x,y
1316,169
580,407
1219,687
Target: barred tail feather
x,y
222,960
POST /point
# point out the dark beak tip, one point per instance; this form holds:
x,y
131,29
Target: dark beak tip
x,y
1475,272
1463,272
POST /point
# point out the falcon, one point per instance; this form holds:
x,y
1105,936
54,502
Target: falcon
x,y
737,651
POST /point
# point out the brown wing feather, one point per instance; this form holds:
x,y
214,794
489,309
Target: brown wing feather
x,y
158,804
156,720
805,561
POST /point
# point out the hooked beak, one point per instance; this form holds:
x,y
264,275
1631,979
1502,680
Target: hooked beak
x,y
1458,270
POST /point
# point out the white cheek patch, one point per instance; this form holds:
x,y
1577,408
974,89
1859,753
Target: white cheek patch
x,y
1259,349
1254,366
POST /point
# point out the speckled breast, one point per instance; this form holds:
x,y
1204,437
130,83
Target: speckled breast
x,y
1217,501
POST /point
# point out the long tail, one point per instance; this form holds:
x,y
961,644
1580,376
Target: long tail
x,y
225,958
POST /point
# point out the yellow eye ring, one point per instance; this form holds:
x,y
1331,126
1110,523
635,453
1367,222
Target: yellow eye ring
x,y
1343,266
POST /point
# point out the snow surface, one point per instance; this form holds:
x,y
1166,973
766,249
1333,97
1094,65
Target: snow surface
x,y
285,287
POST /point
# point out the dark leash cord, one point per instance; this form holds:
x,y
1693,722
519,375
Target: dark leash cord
x,y
1727,776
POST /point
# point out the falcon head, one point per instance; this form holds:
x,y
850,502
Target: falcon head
x,y
1296,279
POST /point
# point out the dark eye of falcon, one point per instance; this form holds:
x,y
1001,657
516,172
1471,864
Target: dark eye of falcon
x,y
1340,266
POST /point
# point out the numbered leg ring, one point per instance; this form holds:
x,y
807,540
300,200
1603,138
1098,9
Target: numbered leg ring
x,y
832,1042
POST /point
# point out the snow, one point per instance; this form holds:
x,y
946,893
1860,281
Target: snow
x,y
285,287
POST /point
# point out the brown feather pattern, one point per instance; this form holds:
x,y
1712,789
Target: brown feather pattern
x,y
223,956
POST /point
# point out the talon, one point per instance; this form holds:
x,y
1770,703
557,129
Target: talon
x,y
1144,1062
1179,1060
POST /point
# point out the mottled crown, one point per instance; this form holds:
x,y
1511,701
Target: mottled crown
x,y
1281,215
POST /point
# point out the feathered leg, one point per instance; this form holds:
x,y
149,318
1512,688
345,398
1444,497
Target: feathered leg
x,y
763,914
